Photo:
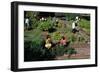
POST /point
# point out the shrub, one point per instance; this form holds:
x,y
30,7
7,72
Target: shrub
x,y
56,36
27,51
70,51
59,50
45,25
35,51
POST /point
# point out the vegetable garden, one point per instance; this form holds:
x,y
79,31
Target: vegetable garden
x,y
35,35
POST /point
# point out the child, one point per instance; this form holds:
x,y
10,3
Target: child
x,y
48,42
63,41
27,23
74,27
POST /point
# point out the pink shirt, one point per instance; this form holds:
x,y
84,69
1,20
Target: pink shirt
x,y
63,42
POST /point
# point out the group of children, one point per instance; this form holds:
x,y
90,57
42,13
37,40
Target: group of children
x,y
49,43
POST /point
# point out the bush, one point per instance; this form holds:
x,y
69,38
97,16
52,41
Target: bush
x,y
56,36
59,50
35,51
45,25
70,51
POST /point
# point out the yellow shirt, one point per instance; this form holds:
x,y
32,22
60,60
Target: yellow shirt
x,y
48,44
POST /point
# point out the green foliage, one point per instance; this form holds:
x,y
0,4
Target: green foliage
x,y
72,38
32,19
45,25
87,17
85,24
59,50
71,16
71,50
30,35
56,36
34,51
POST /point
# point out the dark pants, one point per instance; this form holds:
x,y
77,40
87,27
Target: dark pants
x,y
74,30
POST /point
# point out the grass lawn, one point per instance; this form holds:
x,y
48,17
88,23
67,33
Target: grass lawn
x,y
33,34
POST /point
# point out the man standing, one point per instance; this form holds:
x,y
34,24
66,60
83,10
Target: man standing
x,y
27,23
73,27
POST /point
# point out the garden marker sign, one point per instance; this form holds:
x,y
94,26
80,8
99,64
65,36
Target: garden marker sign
x,y
52,36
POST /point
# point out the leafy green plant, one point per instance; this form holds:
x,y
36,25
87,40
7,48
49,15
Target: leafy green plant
x,y
56,36
45,25
72,38
35,51
70,51
59,50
